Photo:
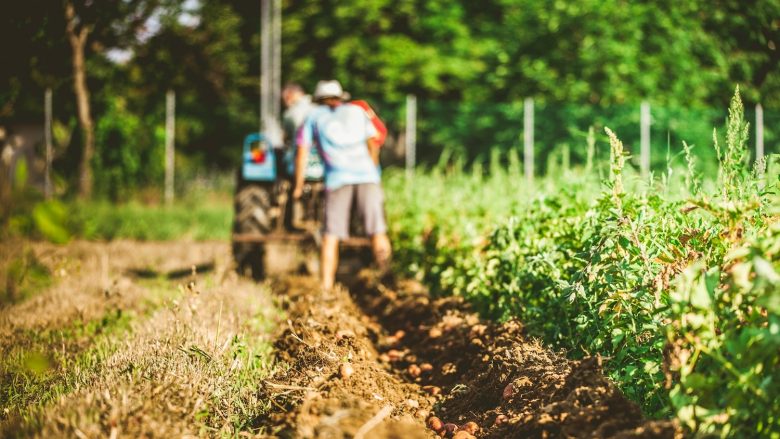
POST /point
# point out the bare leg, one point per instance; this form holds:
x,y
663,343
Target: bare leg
x,y
380,245
329,260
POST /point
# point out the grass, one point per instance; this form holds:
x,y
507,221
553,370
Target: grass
x,y
184,221
187,357
50,363
21,276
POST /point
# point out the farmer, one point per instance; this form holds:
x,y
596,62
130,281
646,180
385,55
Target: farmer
x,y
298,105
346,139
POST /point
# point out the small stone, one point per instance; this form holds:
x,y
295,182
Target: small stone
x,y
346,370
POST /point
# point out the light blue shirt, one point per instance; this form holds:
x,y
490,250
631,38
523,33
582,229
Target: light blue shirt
x,y
340,135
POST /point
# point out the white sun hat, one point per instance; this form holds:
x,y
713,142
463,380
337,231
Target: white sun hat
x,y
329,89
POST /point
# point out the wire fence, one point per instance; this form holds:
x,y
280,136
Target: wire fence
x,y
131,144
472,131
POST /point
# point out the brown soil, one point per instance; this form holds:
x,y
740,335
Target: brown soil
x,y
394,358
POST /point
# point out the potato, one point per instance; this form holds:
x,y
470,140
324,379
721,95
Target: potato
x,y
426,367
414,370
500,419
432,390
471,427
463,435
434,333
435,424
509,391
395,354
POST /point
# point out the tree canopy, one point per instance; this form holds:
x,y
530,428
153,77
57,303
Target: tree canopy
x,y
458,54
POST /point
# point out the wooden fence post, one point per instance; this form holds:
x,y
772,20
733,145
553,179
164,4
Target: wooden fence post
x,y
528,139
644,142
47,192
759,132
170,133
411,134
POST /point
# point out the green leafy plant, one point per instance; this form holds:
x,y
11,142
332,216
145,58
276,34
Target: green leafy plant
x,y
618,269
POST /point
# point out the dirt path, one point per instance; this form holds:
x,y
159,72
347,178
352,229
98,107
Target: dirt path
x,y
392,363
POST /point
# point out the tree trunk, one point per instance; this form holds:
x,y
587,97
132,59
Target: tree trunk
x,y
78,40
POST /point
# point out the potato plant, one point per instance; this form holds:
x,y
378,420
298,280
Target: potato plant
x,y
673,282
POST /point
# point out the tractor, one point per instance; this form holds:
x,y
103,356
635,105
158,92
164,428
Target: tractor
x,y
273,234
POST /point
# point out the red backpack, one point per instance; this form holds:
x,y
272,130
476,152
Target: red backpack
x,y
378,124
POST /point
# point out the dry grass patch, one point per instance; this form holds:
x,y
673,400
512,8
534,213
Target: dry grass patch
x,y
186,361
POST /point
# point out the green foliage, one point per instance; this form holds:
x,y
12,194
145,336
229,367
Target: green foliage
x,y
591,268
42,369
725,337
204,221
24,212
21,276
128,153
470,64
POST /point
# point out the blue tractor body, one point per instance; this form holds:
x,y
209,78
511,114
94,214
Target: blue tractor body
x,y
260,161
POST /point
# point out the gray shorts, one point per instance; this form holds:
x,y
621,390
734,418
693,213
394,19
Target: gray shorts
x,y
369,200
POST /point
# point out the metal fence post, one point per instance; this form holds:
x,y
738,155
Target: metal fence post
x,y
47,134
170,133
528,139
411,134
644,142
265,63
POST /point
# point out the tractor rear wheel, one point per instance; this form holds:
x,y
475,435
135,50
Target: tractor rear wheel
x,y
253,206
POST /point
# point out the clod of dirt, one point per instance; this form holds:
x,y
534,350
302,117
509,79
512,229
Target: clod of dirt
x,y
449,430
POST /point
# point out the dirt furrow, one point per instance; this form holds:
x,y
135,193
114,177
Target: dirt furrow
x,y
392,361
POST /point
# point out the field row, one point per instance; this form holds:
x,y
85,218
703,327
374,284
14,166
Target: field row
x,y
674,281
